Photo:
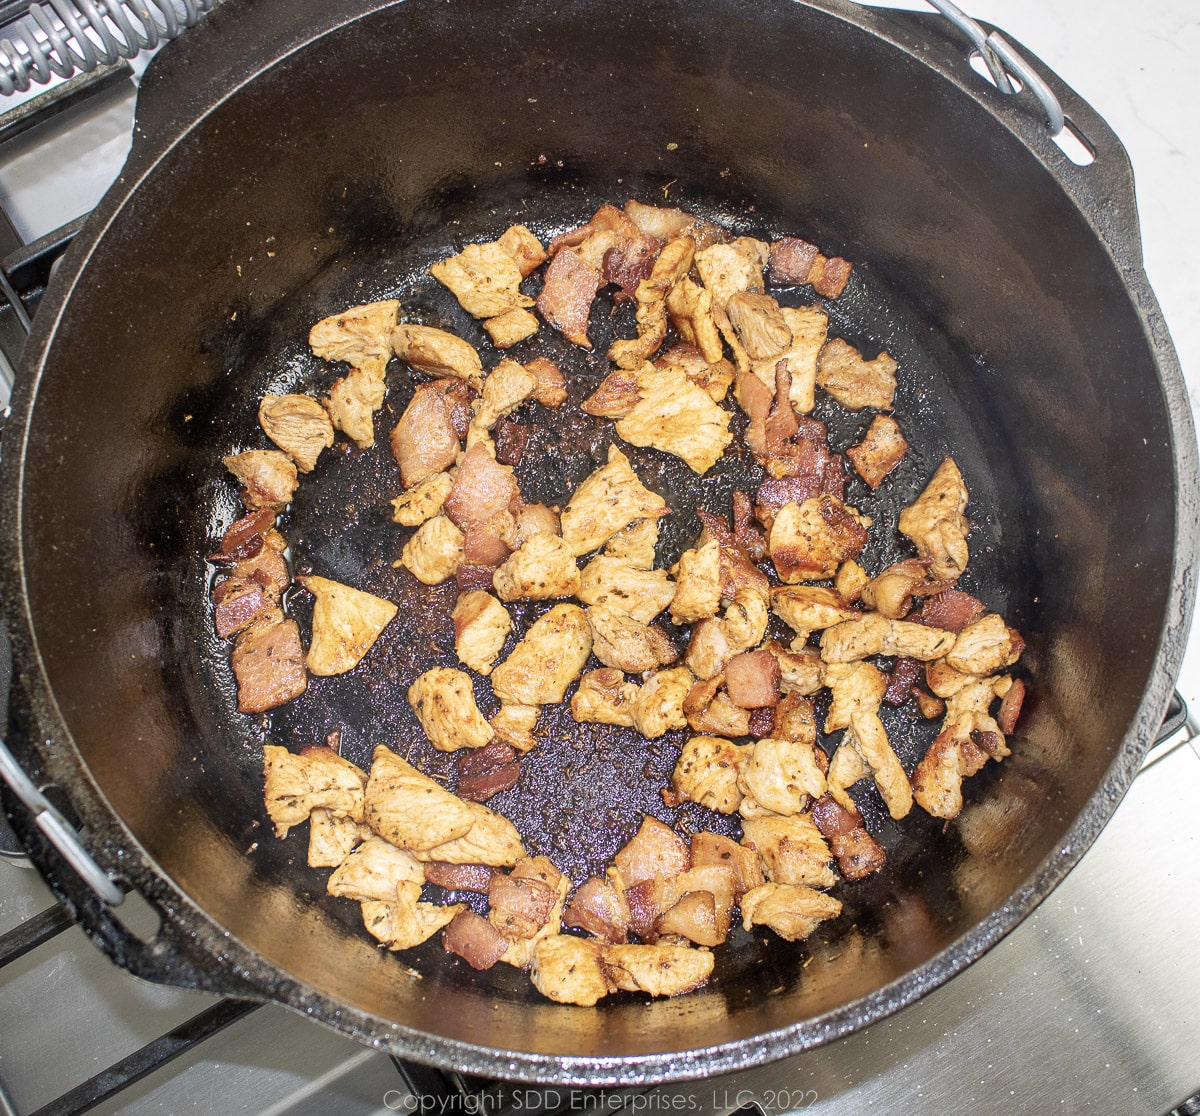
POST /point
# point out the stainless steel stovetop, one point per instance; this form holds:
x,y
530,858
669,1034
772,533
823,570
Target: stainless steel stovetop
x,y
1092,1004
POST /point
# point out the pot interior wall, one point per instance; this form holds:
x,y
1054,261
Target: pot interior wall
x,y
333,178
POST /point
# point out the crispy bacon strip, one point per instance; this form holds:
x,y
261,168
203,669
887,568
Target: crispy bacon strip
x,y
475,940
460,877
900,682
858,853
951,611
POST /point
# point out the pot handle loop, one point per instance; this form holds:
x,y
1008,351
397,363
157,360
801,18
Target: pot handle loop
x,y
58,831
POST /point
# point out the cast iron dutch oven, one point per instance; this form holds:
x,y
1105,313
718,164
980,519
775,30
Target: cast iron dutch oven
x,y
295,158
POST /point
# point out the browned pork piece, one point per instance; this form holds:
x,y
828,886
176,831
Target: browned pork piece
x,y
527,907
810,540
654,850
752,679
475,940
792,912
566,297
671,265
361,336
810,608
414,813
346,623
268,477
511,327
375,870
434,552
856,383
599,907
881,450
891,592
524,247
547,659
268,664
710,711
487,771
459,877
486,278
423,501
542,569
507,386
794,261
568,970
791,849
665,222
807,330
870,634
407,922
444,702
936,523
626,583
426,440
438,354
481,504
331,838
296,783
858,853
984,647
298,425
707,772
605,697
352,403
551,388
951,609
606,502
621,642
780,777
697,584
481,625
903,677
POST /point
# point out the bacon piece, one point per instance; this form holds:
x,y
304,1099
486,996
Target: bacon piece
x,y
628,262
474,939
747,536
900,681
566,299
833,277
520,905
483,772
1010,707
791,261
460,877
615,396
643,910
483,488
858,853
600,908
511,439
762,722
551,390
606,219
655,850
752,679
951,611
243,538
268,662
238,604
425,440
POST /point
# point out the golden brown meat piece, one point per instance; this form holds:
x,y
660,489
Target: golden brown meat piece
x,y
444,702
707,772
729,269
375,870
672,264
936,523
514,725
697,584
551,387
709,711
640,593
660,970
714,377
807,327
984,647
654,850
607,501
872,634
810,540
407,922
352,403
760,326
527,907
864,751
713,849
361,336
674,415
791,849
659,706
780,777
268,663
331,838
881,450
524,247
542,569
850,581
599,907
438,354
268,477
854,687
414,813
434,552
511,328
621,642
566,298
792,912
891,592
689,307
547,660
856,383
567,970
507,386
528,521
800,672
481,625
858,853
423,501
424,441
485,278
810,608
664,222
346,623
296,783
298,425
481,503
615,396
604,697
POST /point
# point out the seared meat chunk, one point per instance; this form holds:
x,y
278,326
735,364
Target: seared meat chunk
x,y
729,269
514,725
710,712
607,501
951,609
752,679
481,625
620,641
672,264
792,912
332,838
407,922
709,849
444,702
689,307
936,523
298,425
880,451
856,383
240,602
475,940
984,647
551,388
542,569
346,622
674,415
858,853
413,812
423,501
697,584
760,326
659,706
713,377
791,849
518,914
507,386
434,552
599,907
660,970
566,298
865,750
810,608
891,592
485,278
268,663
352,403
425,441
296,783
854,687
438,354
665,222
707,772
487,771
640,593
375,870
604,697
810,540
794,261
511,327
872,634
807,329
524,247
481,503
567,970
268,477
780,777
547,659
459,877
616,395
654,850
361,336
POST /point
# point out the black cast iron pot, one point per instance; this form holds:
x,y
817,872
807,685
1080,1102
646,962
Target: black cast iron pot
x,y
293,158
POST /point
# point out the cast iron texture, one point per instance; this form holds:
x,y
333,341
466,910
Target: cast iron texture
x,y
1008,281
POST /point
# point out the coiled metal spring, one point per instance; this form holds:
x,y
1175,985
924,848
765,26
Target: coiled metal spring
x,y
65,37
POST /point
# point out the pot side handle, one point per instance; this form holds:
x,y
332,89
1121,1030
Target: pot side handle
x,y
1102,188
